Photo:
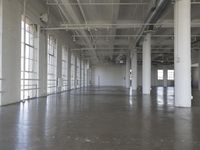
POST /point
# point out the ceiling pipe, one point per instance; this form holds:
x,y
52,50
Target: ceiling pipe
x,y
72,16
95,4
84,17
153,17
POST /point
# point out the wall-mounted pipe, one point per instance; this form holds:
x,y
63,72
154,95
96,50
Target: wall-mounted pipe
x,y
153,17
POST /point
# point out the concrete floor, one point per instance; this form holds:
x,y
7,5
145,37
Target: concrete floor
x,y
104,118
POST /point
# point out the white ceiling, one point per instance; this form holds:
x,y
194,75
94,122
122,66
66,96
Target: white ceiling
x,y
104,32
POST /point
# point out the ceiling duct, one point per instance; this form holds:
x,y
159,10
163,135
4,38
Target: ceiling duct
x,y
157,7
152,5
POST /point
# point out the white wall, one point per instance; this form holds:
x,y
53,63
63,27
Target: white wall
x,y
154,80
114,75
109,75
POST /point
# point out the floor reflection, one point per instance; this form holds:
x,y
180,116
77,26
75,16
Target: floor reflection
x,y
170,96
165,96
160,96
23,128
110,119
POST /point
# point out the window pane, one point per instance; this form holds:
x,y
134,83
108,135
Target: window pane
x,y
160,74
170,74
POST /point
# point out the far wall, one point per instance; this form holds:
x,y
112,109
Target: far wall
x,y
154,79
114,75
109,75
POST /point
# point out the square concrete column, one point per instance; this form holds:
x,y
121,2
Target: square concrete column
x,y
69,70
80,72
165,76
75,74
128,72
146,65
134,69
83,73
182,54
199,71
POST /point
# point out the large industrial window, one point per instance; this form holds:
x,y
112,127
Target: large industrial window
x,y
72,71
170,74
160,74
29,60
65,68
52,65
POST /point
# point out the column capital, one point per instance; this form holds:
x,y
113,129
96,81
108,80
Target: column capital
x,y
147,36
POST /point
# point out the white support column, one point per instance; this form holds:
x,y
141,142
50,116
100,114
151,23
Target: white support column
x,y
75,74
59,66
134,69
165,76
83,73
69,70
87,74
182,53
128,72
146,65
80,73
199,71
43,64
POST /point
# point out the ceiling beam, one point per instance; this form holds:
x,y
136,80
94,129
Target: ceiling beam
x,y
95,4
125,36
110,26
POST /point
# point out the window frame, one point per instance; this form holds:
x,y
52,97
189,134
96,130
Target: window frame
x,y
170,75
29,60
51,64
160,74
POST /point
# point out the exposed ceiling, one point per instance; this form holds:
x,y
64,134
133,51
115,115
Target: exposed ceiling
x,y
105,30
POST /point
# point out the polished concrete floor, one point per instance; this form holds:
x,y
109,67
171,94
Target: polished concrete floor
x,y
105,118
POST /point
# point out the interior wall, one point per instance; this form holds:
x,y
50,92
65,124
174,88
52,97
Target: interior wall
x,y
114,75
154,80
109,75
162,82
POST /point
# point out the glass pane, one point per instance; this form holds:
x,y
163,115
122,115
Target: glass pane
x,y
160,74
170,74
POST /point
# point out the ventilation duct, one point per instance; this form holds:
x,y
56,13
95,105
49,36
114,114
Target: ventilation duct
x,y
158,7
152,5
